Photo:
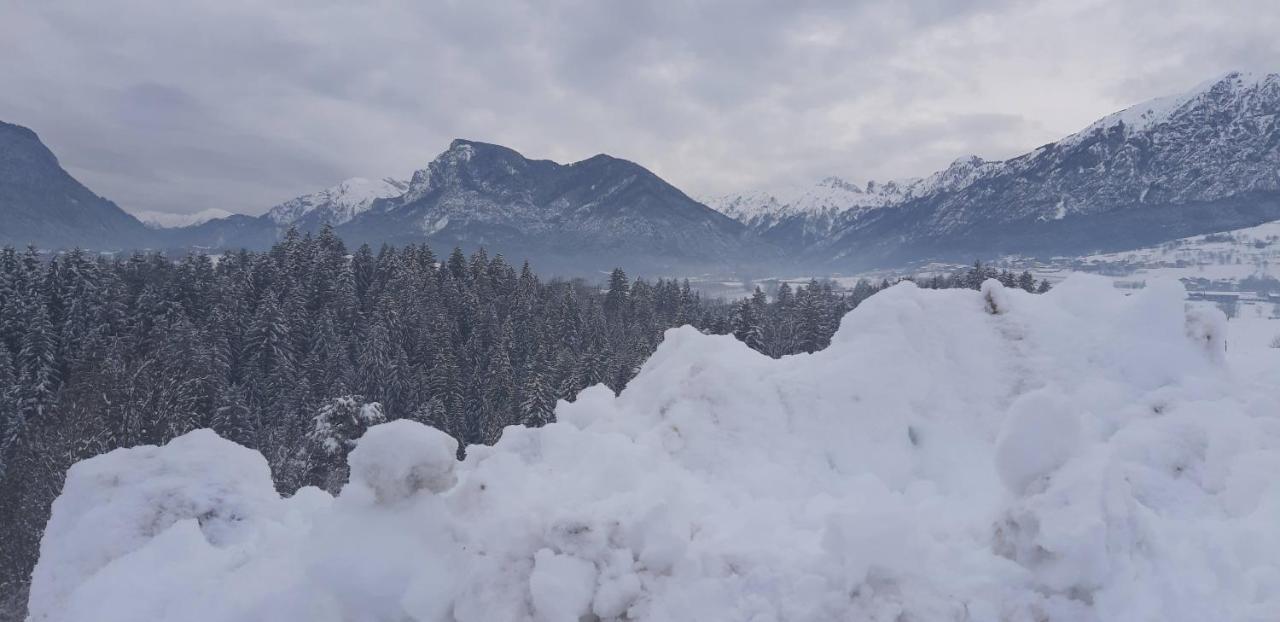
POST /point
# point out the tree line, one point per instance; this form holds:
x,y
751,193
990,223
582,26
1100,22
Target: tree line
x,y
296,350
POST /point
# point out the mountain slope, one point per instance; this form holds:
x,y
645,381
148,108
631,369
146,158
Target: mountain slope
x,y
580,217
1201,161
335,205
1204,161
42,204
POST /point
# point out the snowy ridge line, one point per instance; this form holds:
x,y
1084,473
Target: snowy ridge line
x,y
338,204
1221,117
1150,113
169,220
830,196
953,455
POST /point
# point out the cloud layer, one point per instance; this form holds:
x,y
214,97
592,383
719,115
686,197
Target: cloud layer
x,y
234,104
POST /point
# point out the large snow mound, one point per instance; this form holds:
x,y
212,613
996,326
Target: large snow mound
x,y
953,455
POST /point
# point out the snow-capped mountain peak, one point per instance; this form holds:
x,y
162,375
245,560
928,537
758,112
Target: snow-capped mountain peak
x,y
960,174
587,215
1199,161
337,204
831,195
837,183
1234,86
806,213
836,197
445,169
169,220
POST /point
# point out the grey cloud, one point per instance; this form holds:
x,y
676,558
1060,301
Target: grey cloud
x,y
240,104
156,106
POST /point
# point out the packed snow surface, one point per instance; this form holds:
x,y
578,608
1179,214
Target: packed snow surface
x,y
953,455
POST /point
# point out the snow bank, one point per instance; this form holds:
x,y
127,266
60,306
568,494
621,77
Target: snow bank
x,y
954,455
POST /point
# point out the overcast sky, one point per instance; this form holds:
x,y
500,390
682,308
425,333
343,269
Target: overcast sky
x,y
240,104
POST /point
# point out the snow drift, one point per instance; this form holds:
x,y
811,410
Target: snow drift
x,y
953,455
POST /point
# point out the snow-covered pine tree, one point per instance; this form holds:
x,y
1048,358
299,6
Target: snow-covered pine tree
x,y
615,299
8,406
747,324
37,364
233,419
499,407
1026,282
335,428
269,345
537,398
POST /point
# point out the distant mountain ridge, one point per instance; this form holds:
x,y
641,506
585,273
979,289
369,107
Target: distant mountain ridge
x,y
336,205
169,220
1198,162
595,212
798,216
1201,161
579,218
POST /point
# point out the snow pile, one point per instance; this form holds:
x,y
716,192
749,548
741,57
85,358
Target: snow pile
x,y
953,455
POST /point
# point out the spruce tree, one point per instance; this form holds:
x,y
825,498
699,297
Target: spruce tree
x,y
537,397
37,365
334,430
615,301
747,324
1026,282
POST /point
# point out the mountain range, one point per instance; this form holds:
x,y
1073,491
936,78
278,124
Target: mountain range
x,y
579,218
1202,161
